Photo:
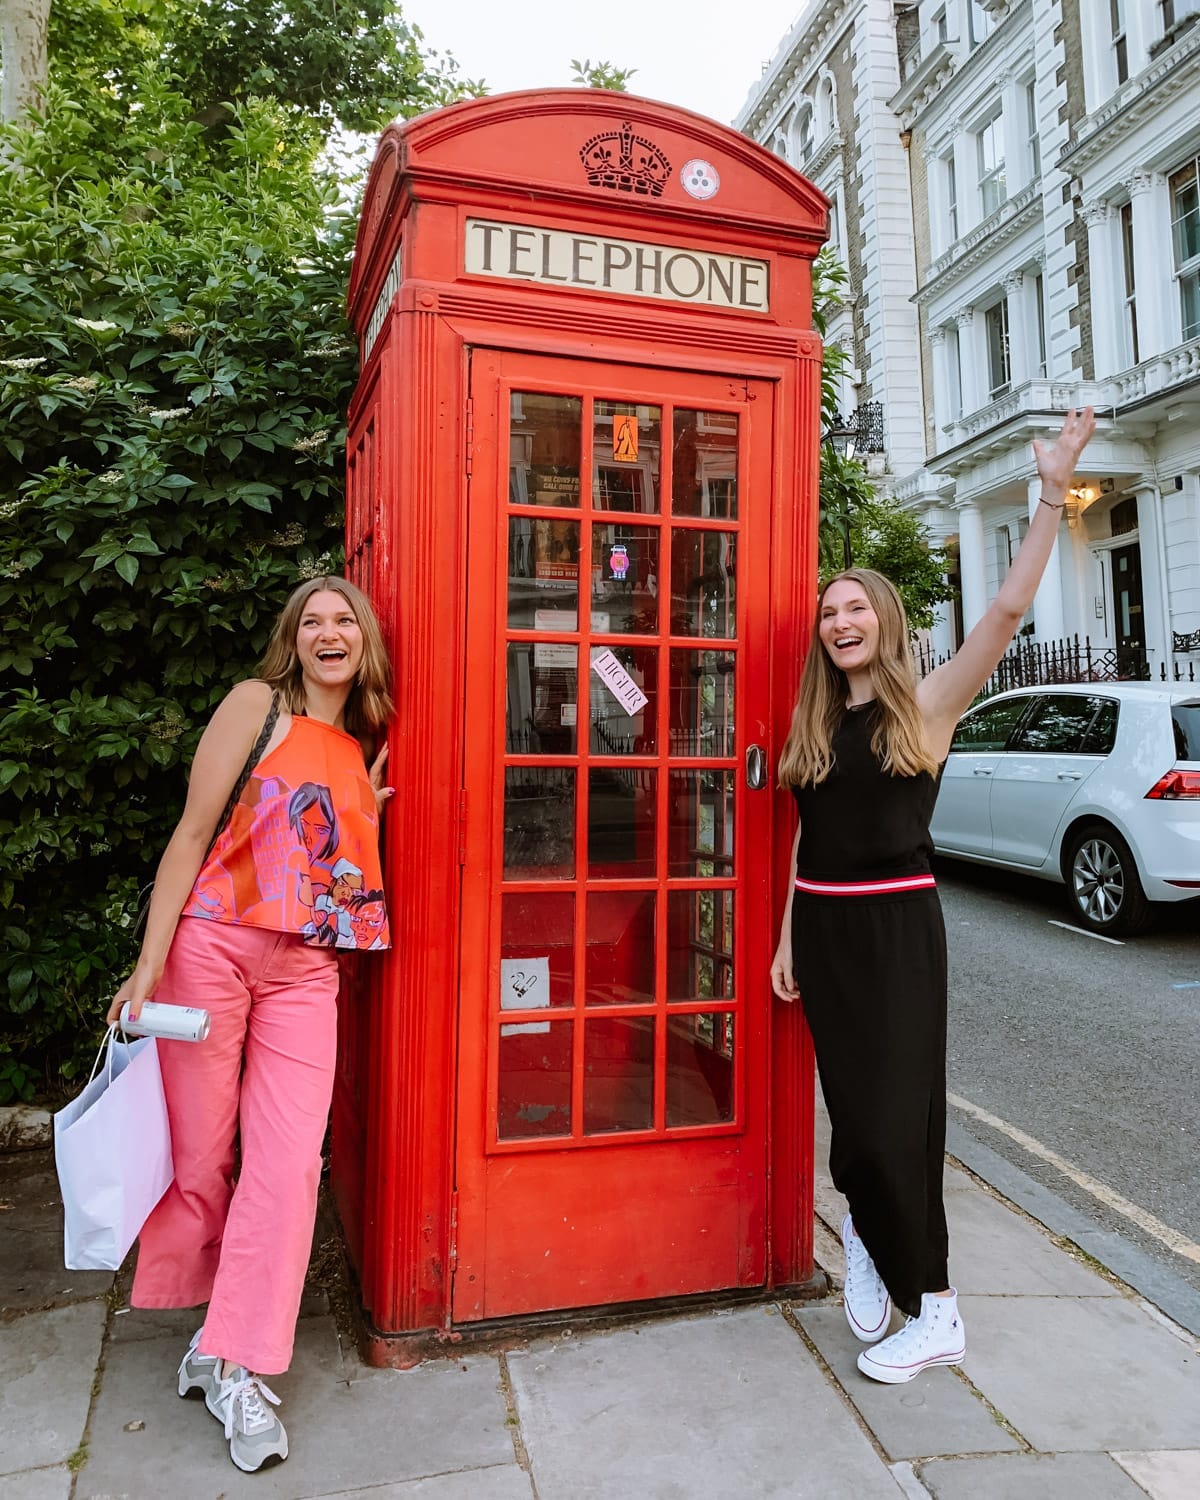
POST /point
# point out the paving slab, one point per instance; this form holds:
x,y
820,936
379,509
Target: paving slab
x,y
509,1483
1164,1476
37,1484
936,1413
998,1253
32,1274
1031,1476
47,1365
695,1409
1094,1373
402,1424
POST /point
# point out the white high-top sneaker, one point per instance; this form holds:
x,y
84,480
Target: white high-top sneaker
x,y
936,1337
868,1306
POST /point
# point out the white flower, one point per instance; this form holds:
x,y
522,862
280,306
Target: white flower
x,y
21,364
170,413
313,443
82,383
110,476
96,325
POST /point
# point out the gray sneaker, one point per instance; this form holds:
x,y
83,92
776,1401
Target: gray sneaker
x,y
197,1372
256,1435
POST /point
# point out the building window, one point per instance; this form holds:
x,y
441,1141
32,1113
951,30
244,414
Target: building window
x,y
1131,331
950,179
941,32
999,365
1039,294
1034,142
979,23
804,132
1185,228
990,140
1168,14
835,225
1120,44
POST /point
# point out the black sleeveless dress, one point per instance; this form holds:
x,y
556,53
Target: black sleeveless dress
x,y
871,969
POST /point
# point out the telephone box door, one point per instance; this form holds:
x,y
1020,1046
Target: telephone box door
x,y
612,1092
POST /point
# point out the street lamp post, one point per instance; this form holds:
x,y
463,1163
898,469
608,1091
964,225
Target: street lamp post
x,y
842,439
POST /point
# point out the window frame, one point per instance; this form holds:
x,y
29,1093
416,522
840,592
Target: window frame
x,y
1187,270
975,714
1119,39
999,354
989,139
1098,703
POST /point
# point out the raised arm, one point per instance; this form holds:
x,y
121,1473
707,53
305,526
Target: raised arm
x,y
950,689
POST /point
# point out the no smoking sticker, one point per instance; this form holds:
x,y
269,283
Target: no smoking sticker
x,y
700,178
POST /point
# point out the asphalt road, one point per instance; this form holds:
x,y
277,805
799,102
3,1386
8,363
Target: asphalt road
x,y
1084,1056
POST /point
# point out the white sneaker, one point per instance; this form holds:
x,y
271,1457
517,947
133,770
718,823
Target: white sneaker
x,y
868,1305
197,1372
936,1337
256,1435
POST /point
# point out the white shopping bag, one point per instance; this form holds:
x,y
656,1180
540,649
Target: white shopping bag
x,y
112,1147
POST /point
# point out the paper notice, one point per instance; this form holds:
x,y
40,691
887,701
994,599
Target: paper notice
x,y
618,681
524,985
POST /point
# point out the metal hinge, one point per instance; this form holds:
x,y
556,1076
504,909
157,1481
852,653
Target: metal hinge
x,y
470,435
462,827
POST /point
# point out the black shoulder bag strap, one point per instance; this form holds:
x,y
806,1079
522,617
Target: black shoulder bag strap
x,y
239,786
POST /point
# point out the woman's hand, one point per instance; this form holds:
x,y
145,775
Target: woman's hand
x,y
382,793
1056,461
783,981
137,989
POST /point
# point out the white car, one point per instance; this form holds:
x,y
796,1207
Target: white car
x,y
1095,785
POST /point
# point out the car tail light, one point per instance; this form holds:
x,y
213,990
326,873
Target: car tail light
x,y
1176,784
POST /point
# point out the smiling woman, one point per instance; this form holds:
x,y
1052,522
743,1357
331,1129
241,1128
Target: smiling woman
x,y
249,905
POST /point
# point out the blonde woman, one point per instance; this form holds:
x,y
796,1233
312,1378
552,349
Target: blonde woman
x,y
862,942
250,905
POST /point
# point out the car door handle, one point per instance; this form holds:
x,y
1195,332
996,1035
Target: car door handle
x,y
1070,775
983,770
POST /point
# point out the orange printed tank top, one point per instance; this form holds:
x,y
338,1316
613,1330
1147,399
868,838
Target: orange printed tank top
x,y
301,850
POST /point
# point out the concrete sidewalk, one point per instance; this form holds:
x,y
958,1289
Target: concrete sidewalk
x,y
1072,1387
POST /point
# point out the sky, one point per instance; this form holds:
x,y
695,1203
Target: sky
x,y
702,54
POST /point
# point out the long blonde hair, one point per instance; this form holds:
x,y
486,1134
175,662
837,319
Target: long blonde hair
x,y
369,705
899,737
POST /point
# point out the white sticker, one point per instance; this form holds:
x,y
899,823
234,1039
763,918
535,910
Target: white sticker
x,y
525,985
700,178
618,681
568,715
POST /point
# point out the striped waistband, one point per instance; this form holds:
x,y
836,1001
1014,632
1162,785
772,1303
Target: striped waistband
x,y
866,887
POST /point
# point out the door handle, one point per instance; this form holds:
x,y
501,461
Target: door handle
x,y
982,771
756,768
1070,775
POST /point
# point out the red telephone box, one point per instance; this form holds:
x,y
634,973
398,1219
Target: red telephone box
x,y
582,490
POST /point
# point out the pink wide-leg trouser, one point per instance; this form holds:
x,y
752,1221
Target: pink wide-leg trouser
x,y
266,1068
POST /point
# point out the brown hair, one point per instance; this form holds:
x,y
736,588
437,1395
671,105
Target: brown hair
x,y
369,705
899,737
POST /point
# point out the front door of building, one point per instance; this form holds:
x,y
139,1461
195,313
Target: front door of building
x,y
1128,610
611,1117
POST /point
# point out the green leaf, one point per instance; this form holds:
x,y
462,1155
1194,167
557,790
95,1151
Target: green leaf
x,y
127,566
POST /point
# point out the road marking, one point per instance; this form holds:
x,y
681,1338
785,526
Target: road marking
x,y
1145,1221
1083,932
1189,984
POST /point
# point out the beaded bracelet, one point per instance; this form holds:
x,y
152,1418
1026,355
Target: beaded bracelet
x,y
1048,506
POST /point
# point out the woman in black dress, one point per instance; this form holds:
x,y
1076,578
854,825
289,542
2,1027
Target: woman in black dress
x,y
862,941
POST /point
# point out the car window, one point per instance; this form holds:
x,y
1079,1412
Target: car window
x,y
1059,723
989,727
1102,736
1186,719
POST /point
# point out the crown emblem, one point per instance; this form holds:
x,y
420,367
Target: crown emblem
x,y
624,161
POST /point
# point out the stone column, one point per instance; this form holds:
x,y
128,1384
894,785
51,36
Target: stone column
x,y
1156,605
943,408
1107,279
971,567
1048,601
1022,343
1151,257
969,360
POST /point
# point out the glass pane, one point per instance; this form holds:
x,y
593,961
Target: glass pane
x,y
537,954
627,450
620,947
1058,724
625,578
700,824
989,727
622,819
624,700
704,583
539,822
702,693
543,568
699,945
534,1093
545,439
700,1069
618,1066
540,706
704,464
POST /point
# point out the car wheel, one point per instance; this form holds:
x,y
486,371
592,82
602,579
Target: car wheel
x,y
1102,883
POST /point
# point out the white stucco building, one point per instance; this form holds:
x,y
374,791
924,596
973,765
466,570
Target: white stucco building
x,y
1048,152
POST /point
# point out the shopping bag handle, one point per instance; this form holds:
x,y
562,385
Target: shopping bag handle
x,y
109,1038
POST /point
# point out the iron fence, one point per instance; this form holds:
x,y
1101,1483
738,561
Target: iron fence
x,y
1039,663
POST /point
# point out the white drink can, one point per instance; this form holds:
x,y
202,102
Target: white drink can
x,y
176,1023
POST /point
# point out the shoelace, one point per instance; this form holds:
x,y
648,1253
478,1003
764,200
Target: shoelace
x,y
246,1395
860,1266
